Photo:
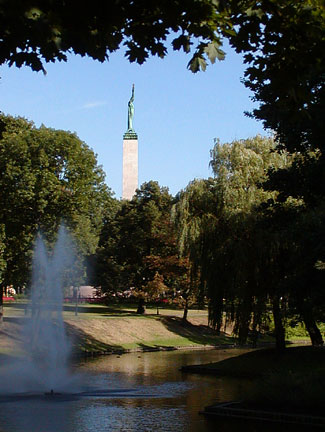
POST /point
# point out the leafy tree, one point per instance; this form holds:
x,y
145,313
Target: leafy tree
x,y
254,247
218,221
2,248
33,32
2,266
138,247
298,234
155,287
241,168
106,272
193,215
151,291
46,177
283,45
176,274
141,222
130,234
285,58
37,31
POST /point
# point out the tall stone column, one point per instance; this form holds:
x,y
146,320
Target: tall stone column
x,y
130,165
130,155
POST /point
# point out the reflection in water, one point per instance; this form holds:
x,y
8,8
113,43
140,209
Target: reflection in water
x,y
135,392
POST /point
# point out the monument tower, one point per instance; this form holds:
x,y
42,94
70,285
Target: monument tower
x,y
130,155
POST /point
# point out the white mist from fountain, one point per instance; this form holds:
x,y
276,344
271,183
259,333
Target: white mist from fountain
x,y
44,367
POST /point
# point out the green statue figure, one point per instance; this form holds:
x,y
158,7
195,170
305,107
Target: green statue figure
x,y
131,112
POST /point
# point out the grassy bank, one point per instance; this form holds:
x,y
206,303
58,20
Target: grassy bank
x,y
145,332
118,328
264,362
293,380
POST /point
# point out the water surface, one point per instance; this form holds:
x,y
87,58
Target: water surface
x,y
133,392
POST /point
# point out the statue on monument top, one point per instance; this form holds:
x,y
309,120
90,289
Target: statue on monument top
x,y
130,133
131,112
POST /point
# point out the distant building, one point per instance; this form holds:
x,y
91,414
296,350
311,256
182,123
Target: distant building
x,y
83,292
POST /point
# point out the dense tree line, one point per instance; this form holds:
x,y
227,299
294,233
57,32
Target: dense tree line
x,y
286,74
47,177
254,251
233,240
138,249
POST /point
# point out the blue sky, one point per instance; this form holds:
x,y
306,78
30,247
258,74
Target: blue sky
x,y
177,113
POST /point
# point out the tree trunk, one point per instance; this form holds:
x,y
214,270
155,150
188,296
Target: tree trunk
x,y
243,318
185,310
278,324
1,304
243,333
141,309
255,332
311,326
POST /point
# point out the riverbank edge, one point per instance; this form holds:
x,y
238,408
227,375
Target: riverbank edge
x,y
267,411
123,351
213,369
236,410
201,369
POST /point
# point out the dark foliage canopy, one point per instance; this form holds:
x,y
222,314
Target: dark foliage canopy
x,y
32,32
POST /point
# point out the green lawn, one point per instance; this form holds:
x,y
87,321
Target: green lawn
x,y
15,309
87,310
96,311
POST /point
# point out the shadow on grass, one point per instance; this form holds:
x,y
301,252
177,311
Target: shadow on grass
x,y
83,343
95,310
15,305
11,339
145,347
12,328
114,309
198,334
17,320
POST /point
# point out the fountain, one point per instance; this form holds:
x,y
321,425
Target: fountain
x,y
43,372
38,392
44,368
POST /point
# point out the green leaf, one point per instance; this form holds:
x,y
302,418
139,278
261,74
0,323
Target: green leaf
x,y
33,13
182,42
196,64
213,51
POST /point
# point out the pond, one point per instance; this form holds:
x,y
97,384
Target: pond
x,y
133,392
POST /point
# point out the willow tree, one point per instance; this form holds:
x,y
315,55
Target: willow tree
x,y
286,73
193,215
219,229
298,224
